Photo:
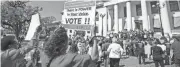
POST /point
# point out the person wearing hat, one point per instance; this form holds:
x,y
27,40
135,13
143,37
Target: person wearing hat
x,y
176,50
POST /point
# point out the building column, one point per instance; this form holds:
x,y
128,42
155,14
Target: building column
x,y
120,24
116,18
105,24
146,25
165,16
109,18
129,15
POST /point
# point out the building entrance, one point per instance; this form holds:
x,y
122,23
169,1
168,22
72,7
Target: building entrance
x,y
138,24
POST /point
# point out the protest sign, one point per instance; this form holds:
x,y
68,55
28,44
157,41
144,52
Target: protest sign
x,y
79,15
35,22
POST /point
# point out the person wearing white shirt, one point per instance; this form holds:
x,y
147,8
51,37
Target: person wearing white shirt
x,y
163,47
115,51
147,48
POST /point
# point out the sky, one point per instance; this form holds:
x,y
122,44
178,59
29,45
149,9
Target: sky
x,y
50,8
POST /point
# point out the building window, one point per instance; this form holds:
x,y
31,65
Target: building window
x,y
176,24
154,9
174,5
97,29
156,25
138,24
125,12
138,10
88,31
70,31
97,16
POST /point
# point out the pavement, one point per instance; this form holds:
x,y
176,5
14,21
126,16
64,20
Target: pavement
x,y
133,62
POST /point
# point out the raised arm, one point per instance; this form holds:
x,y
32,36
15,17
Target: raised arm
x,y
95,53
19,53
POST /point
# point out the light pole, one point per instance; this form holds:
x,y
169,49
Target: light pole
x,y
159,12
96,16
102,16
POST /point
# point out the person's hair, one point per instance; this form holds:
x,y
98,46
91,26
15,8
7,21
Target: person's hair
x,y
91,41
106,40
7,41
163,38
56,43
157,41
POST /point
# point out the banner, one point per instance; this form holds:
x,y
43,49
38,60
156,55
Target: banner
x,y
35,22
79,15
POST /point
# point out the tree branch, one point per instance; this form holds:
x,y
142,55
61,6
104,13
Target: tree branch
x,y
4,23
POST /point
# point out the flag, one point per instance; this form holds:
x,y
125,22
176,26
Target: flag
x,y
35,22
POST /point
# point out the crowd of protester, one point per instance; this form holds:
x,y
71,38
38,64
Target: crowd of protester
x,y
93,51
141,44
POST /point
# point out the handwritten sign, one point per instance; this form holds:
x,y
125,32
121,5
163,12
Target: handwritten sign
x,y
80,13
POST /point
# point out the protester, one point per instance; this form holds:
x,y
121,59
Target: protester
x,y
81,46
90,50
100,53
162,45
127,47
157,53
69,45
104,50
166,47
56,47
9,51
115,53
140,51
147,48
176,50
167,58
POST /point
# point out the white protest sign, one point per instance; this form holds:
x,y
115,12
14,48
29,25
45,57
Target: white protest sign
x,y
79,14
35,22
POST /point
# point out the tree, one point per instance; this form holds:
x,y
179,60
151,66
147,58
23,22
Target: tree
x,y
46,21
16,16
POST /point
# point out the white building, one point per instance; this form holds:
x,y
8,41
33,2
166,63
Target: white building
x,y
127,14
141,14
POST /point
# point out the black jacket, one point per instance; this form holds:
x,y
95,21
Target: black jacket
x,y
157,52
